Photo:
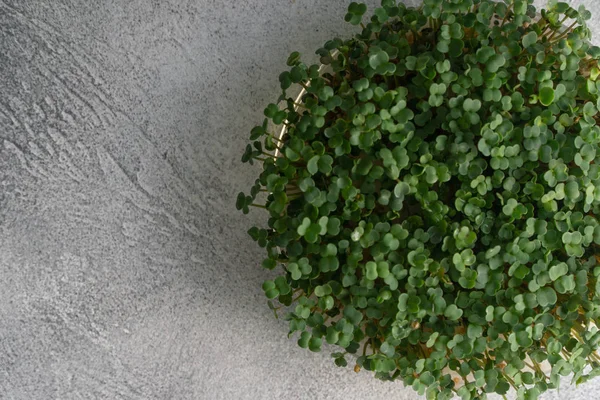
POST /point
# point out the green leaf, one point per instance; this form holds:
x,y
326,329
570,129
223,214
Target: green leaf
x,y
474,331
270,289
285,80
589,109
282,285
378,58
387,349
471,105
293,59
355,13
520,7
341,362
456,48
495,62
269,263
323,290
325,164
484,54
371,268
530,39
546,96
329,264
304,339
354,316
452,312
314,344
313,165
333,336
546,297
401,189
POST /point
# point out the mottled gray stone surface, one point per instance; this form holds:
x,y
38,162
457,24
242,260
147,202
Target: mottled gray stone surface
x,y
125,271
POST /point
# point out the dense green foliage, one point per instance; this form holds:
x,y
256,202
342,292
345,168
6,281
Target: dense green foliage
x,y
433,202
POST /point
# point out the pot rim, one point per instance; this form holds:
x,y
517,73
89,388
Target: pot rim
x,y
303,91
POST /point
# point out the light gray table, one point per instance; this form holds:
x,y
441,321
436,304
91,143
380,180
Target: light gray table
x,y
125,270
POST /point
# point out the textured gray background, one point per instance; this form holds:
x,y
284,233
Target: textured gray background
x,y
125,271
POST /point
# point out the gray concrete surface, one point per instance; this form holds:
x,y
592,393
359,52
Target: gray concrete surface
x,y
125,271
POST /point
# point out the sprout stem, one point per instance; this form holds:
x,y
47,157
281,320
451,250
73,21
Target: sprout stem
x,y
565,33
508,10
530,366
274,138
509,380
364,352
556,30
297,297
539,368
548,26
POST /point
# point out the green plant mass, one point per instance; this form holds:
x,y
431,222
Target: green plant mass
x,y
433,202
